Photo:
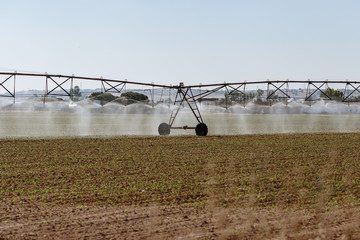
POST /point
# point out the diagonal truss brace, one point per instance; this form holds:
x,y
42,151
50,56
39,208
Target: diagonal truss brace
x,y
206,93
355,89
185,95
229,89
308,95
58,86
10,94
270,95
108,87
235,89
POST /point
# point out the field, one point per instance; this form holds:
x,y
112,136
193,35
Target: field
x,y
295,186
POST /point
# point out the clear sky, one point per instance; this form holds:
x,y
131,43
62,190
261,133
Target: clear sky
x,y
194,41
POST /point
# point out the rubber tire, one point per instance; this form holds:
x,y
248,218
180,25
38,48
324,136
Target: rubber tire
x,y
164,129
201,129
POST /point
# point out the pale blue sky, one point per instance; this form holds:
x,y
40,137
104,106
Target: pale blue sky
x,y
194,41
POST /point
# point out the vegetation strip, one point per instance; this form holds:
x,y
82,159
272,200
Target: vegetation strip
x,y
291,170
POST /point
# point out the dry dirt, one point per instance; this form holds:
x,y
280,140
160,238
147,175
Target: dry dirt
x,y
180,222
304,186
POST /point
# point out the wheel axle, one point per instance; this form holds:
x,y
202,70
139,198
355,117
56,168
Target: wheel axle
x,y
201,129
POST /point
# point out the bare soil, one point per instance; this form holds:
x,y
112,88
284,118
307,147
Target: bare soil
x,y
177,222
295,186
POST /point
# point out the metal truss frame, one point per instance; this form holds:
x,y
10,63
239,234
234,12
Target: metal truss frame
x,y
206,93
58,85
184,93
2,84
355,89
110,88
317,89
271,93
235,89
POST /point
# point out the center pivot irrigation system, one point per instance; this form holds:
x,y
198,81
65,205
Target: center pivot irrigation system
x,y
184,93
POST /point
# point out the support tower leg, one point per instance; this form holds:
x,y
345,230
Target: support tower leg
x,y
184,95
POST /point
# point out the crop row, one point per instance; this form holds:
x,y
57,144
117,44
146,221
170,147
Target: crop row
x,y
259,170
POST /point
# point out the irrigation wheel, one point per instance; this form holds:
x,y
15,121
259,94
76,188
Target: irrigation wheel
x,y
201,129
164,129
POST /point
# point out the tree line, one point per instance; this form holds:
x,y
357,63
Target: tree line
x,y
105,97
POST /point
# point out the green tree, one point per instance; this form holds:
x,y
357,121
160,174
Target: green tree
x,y
125,98
132,97
135,96
102,97
332,94
259,94
239,97
75,93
